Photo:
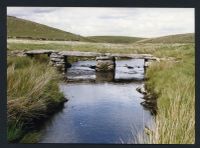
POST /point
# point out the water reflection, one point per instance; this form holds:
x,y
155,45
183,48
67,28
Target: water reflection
x,y
105,76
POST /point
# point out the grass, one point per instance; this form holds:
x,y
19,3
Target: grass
x,y
32,94
178,38
175,85
114,39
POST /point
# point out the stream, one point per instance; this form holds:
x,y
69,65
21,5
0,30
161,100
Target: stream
x,y
103,108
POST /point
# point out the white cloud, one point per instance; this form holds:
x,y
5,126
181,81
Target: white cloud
x,y
143,22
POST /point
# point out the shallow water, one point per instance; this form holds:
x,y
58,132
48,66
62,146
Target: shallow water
x,y
81,71
101,110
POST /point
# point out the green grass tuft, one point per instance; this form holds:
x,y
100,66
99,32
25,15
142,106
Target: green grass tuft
x,y
32,93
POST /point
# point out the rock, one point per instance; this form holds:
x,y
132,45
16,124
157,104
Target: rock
x,y
59,65
105,67
92,67
40,51
57,59
141,90
68,65
147,64
17,53
56,55
151,106
129,67
105,58
65,99
105,63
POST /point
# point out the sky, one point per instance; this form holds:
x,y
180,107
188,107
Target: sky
x,y
136,22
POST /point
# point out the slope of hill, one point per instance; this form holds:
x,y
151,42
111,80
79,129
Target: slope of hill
x,y
178,38
114,39
20,28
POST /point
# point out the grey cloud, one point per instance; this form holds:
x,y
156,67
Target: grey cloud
x,y
44,10
111,17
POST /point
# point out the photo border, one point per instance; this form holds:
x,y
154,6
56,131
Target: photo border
x,y
93,3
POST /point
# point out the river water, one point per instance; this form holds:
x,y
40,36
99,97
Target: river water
x,y
103,108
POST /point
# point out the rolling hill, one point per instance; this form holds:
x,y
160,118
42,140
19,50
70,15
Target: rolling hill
x,y
20,28
178,38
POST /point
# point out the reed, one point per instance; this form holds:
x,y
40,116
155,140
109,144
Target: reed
x,y
174,82
32,92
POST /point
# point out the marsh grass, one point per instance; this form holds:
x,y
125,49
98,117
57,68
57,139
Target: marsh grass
x,y
32,92
175,85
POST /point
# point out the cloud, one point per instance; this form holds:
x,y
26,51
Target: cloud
x,y
143,22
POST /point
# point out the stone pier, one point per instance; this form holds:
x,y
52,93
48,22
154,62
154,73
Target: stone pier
x,y
105,63
59,61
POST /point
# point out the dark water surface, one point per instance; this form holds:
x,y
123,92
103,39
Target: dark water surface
x,y
102,108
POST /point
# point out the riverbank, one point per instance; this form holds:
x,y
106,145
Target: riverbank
x,y
32,93
174,83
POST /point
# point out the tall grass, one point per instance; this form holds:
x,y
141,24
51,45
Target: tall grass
x,y
175,85
32,92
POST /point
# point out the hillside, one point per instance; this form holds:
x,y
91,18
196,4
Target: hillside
x,y
20,28
178,38
114,39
